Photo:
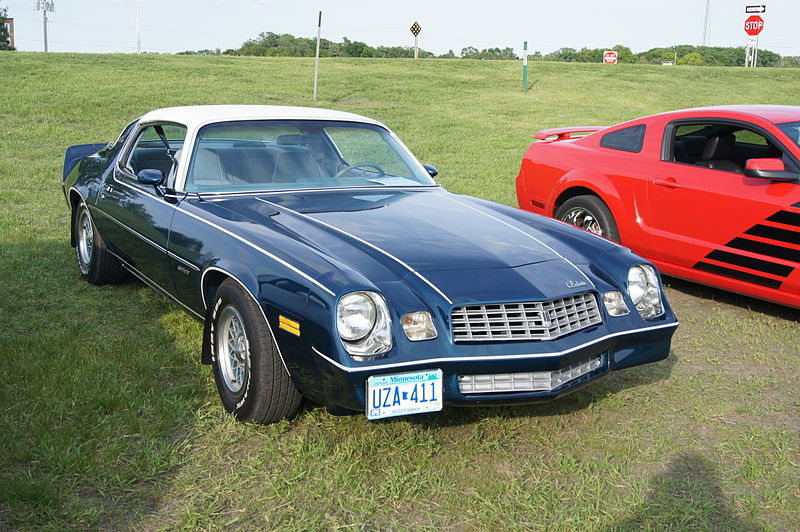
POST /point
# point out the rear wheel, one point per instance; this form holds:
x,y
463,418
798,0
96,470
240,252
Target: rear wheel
x,y
96,264
251,380
590,214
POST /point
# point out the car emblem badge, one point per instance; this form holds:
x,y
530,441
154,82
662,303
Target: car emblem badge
x,y
547,318
575,284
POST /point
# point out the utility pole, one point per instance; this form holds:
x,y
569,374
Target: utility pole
x,y
138,30
316,61
705,21
44,21
44,6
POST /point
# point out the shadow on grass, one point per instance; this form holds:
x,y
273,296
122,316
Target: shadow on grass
x,y
686,495
730,298
101,387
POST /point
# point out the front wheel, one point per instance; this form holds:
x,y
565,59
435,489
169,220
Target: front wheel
x,y
590,214
251,380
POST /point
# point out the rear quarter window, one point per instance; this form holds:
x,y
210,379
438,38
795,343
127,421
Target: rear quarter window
x,y
628,139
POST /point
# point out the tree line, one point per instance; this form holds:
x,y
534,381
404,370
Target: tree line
x,y
269,44
274,44
683,54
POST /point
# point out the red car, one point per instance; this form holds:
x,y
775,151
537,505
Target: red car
x,y
711,194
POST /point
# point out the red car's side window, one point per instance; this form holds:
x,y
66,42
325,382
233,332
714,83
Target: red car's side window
x,y
719,146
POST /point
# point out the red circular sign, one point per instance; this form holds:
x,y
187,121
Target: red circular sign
x,y
610,57
753,25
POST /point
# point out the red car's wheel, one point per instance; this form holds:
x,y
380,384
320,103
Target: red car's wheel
x,y
590,214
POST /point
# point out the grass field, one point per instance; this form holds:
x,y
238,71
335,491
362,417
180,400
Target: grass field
x,y
109,421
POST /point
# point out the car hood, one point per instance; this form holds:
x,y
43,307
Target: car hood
x,y
455,241
429,231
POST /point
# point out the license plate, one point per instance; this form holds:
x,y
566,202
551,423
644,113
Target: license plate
x,y
402,394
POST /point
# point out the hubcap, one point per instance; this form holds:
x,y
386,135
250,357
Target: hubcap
x,y
233,350
85,239
583,218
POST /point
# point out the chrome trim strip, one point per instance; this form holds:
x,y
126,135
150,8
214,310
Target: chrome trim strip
x,y
142,277
260,308
373,246
526,234
260,249
379,367
182,261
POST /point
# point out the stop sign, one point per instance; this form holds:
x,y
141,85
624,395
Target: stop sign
x,y
753,25
610,57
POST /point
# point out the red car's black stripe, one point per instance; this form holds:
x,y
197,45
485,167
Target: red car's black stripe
x,y
762,248
773,233
797,205
786,217
738,275
750,263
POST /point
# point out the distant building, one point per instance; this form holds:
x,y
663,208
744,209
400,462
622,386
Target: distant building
x,y
9,24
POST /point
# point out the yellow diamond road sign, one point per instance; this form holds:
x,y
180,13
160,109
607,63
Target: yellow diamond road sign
x,y
416,28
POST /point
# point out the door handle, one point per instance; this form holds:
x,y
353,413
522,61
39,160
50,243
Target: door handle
x,y
669,183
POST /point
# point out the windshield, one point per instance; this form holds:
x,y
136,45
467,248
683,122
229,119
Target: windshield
x,y
299,154
792,130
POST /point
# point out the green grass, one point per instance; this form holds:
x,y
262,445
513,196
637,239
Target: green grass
x,y
109,421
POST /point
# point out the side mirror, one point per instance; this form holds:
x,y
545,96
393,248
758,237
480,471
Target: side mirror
x,y
432,171
771,168
150,176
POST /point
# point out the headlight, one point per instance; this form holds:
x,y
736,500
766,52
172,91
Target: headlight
x,y
355,316
364,325
645,290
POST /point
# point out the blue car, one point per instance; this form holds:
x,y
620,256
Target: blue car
x,y
325,262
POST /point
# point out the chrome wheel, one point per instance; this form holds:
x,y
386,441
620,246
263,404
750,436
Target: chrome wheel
x,y
233,350
85,240
583,218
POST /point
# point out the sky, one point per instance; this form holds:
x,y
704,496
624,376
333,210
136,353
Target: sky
x,y
169,26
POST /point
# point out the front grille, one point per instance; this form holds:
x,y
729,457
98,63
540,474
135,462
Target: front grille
x,y
530,381
535,320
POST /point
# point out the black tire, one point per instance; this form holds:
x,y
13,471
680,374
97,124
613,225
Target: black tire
x,y
251,380
96,264
590,214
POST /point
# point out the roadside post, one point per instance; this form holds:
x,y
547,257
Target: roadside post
x,y
525,66
416,29
316,61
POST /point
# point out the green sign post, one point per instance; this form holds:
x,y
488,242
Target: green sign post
x,y
525,67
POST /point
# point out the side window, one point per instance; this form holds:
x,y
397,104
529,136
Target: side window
x,y
628,139
689,141
720,146
155,148
744,136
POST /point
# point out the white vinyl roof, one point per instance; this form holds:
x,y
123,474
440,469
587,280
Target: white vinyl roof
x,y
195,116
